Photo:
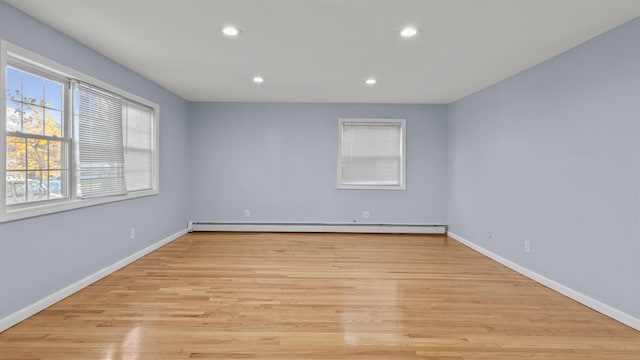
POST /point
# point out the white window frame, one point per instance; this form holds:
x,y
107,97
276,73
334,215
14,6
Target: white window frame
x,y
30,59
403,162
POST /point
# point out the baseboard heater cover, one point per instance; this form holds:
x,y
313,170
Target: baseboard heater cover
x,y
319,227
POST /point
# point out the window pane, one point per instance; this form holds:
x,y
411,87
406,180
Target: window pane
x,y
37,186
53,95
371,171
53,125
37,154
138,127
32,89
57,185
14,89
138,147
101,152
14,121
32,120
14,85
372,140
138,169
15,187
55,155
16,153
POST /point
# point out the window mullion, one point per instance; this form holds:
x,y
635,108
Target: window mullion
x,y
33,136
71,148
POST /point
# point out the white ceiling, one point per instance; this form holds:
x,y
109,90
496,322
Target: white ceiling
x,y
323,50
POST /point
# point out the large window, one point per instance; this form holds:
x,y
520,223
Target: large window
x,y
70,140
371,154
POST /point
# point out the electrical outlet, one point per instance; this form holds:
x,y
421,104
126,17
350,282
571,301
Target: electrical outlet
x,y
365,214
247,213
132,233
527,246
489,235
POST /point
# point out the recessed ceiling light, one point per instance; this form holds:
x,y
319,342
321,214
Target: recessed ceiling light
x,y
370,81
258,79
230,31
408,32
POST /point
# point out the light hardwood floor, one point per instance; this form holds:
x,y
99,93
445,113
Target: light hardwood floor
x,y
317,296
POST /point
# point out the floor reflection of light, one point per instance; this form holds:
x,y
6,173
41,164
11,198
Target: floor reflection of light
x,y
357,322
130,347
349,338
108,353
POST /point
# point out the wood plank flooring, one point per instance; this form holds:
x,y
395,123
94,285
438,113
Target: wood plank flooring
x,y
317,296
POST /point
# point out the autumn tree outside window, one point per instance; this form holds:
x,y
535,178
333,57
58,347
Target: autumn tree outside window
x,y
36,143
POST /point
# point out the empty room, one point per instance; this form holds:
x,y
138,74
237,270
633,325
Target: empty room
x,y
321,179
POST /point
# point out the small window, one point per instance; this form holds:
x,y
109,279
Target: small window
x,y
371,154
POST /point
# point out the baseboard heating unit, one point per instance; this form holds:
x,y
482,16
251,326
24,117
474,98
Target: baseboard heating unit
x,y
319,227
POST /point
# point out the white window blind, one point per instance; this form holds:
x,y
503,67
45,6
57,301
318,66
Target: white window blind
x,y
138,146
101,170
371,154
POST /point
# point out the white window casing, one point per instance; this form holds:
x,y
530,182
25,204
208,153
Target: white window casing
x,y
371,154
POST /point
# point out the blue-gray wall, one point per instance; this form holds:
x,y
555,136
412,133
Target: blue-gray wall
x,y
279,160
552,156
39,256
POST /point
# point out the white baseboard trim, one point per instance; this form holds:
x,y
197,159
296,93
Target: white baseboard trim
x,y
320,227
27,311
596,305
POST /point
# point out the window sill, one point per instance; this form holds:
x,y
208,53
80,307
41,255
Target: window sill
x,y
60,206
371,187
